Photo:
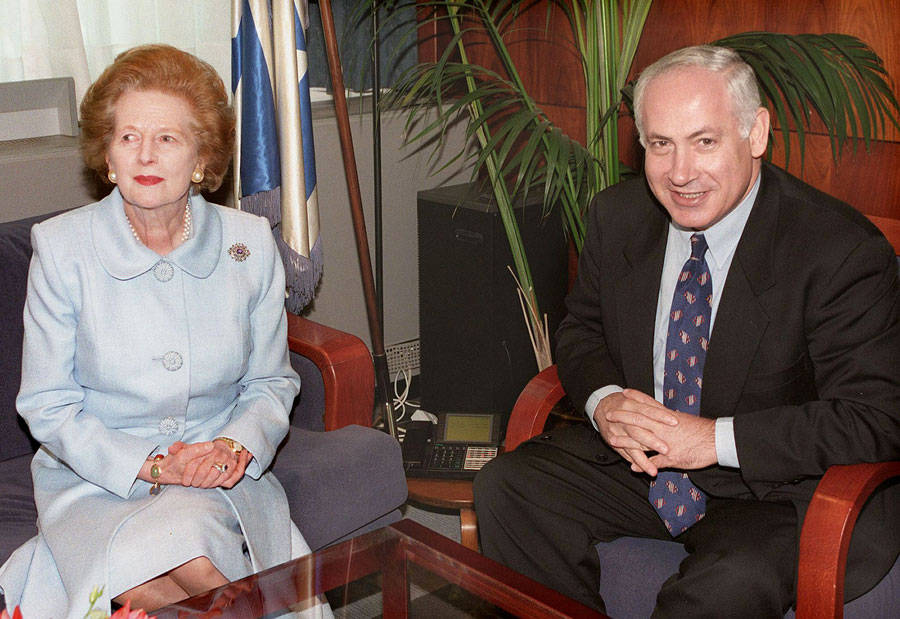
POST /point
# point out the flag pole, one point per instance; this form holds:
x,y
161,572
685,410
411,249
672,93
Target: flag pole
x,y
382,395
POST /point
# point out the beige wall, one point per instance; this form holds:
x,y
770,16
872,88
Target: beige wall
x,y
339,299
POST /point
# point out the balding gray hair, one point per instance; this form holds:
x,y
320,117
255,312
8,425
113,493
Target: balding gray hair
x,y
741,81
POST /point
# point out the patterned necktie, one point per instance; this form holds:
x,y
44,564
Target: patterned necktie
x,y
679,502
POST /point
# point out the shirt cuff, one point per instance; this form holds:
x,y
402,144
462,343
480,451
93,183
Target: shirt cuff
x,y
726,448
594,399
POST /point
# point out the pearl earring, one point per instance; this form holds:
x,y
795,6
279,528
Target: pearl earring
x,y
197,176
112,177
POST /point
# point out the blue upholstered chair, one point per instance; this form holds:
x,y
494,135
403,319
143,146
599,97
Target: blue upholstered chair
x,y
832,513
341,477
823,542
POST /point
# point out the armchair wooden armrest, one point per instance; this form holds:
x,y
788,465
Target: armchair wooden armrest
x,y
346,367
826,532
530,412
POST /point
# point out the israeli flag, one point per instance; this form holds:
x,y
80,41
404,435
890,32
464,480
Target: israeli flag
x,y
275,169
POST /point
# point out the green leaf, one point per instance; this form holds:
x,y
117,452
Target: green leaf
x,y
837,77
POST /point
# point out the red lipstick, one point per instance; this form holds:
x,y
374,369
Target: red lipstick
x,y
148,180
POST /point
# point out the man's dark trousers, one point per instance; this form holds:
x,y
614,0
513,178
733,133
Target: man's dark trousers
x,y
540,508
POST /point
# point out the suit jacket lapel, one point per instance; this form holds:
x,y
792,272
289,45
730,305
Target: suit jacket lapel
x,y
741,319
637,292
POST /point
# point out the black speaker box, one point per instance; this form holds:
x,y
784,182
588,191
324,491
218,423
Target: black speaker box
x,y
476,354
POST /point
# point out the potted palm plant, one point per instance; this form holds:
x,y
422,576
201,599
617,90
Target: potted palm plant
x,y
835,78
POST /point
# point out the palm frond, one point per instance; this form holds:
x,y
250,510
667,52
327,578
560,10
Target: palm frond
x,y
836,78
526,149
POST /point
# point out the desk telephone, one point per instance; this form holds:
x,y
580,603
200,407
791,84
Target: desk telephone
x,y
456,447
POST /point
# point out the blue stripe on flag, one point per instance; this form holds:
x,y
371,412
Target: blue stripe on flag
x,y
309,151
260,164
236,58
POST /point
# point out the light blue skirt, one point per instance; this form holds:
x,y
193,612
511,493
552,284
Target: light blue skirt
x,y
182,524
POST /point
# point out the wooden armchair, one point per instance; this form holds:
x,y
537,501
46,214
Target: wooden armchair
x,y
825,537
346,367
341,476
826,531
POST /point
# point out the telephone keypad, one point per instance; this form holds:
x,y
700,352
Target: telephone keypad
x,y
461,457
448,456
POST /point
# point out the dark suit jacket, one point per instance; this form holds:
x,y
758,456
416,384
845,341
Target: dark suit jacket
x,y
804,353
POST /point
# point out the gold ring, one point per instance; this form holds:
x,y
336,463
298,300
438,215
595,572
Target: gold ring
x,y
220,467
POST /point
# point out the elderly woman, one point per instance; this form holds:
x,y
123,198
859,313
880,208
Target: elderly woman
x,y
156,373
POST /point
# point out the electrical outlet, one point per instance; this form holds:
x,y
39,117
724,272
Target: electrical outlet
x,y
403,356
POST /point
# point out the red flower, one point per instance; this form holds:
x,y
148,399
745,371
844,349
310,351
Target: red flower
x,y
126,613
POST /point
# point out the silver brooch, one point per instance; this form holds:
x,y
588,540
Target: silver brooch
x,y
239,252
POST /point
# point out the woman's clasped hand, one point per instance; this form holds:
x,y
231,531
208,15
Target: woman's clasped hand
x,y
195,465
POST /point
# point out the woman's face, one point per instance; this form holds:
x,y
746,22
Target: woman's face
x,y
152,150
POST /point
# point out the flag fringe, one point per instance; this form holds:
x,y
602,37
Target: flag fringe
x,y
302,273
265,204
303,278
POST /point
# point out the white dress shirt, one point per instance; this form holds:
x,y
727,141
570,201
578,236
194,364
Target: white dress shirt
x,y
722,239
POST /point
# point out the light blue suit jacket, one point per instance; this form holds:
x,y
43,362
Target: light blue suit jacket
x,y
125,353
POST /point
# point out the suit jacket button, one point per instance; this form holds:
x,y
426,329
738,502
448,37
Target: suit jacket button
x,y
602,457
172,361
546,437
163,271
168,426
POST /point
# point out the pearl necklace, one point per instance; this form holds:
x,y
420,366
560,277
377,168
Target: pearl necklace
x,y
186,229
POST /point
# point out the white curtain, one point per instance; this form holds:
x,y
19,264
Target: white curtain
x,y
79,38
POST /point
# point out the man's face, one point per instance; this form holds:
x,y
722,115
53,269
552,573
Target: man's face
x,y
696,162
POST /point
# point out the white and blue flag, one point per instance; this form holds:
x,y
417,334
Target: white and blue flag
x,y
275,169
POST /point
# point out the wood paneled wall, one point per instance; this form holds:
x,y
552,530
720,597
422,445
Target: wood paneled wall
x,y
542,49
871,182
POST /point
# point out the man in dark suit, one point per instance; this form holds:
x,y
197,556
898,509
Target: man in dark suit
x,y
715,275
